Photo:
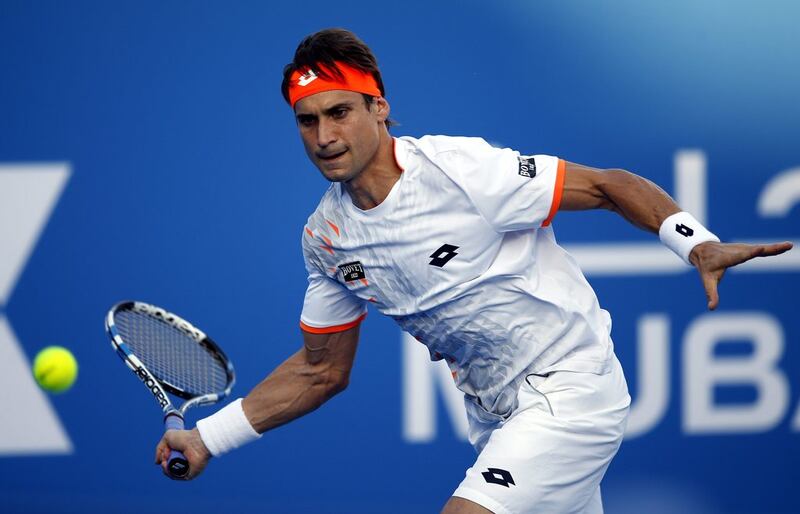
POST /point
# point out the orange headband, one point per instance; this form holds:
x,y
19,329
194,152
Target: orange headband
x,y
309,83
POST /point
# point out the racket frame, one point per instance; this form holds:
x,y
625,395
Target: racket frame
x,y
173,418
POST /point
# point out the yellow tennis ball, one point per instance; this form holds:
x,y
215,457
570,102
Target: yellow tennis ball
x,y
55,369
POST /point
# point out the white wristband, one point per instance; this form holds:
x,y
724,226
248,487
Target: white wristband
x,y
226,429
681,232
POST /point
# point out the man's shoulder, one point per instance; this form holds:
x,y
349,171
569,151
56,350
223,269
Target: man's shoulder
x,y
326,210
328,201
433,145
457,156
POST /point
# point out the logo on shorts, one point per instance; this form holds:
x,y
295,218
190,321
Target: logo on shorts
x,y
527,166
443,255
352,271
498,476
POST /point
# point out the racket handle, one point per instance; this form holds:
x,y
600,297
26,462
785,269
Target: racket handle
x,y
177,465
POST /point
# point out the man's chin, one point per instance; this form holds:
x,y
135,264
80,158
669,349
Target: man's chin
x,y
336,174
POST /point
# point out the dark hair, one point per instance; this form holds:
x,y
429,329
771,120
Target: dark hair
x,y
328,46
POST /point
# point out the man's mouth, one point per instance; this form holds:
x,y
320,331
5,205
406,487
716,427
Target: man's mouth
x,y
331,156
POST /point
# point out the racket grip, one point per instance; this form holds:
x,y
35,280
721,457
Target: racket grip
x,y
177,465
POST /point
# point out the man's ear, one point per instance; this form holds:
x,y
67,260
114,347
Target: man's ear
x,y
382,108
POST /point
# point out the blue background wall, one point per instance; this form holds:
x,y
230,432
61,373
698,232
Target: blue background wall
x,y
188,187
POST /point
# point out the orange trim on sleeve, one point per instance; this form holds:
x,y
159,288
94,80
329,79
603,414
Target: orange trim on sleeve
x,y
559,190
335,328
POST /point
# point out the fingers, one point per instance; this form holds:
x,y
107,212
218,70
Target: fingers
x,y
190,444
766,250
165,470
713,259
168,443
162,445
710,283
772,249
173,441
176,440
162,456
722,256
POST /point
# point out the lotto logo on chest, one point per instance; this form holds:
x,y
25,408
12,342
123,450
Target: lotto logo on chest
x,y
352,271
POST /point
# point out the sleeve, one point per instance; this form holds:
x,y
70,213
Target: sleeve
x,y
328,306
511,191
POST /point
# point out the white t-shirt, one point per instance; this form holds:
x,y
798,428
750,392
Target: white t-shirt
x,y
461,255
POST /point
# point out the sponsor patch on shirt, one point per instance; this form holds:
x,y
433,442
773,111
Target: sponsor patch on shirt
x,y
527,166
352,271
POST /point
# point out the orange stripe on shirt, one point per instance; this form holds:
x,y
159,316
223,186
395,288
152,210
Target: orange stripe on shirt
x,y
557,193
334,227
333,329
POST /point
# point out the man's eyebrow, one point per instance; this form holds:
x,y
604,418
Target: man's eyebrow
x,y
339,106
330,110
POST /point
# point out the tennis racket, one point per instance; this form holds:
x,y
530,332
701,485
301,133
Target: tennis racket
x,y
170,355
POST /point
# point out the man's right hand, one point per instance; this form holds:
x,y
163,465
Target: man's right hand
x,y
191,444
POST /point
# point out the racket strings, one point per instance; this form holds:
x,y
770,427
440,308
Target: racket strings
x,y
171,355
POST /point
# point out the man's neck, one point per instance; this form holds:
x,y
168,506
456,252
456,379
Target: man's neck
x,y
372,185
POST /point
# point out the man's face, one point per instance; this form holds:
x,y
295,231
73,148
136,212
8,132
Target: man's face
x,y
341,133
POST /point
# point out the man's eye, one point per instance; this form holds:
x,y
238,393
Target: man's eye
x,y
339,113
306,122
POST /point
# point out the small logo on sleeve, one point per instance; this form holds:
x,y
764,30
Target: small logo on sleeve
x,y
498,476
352,271
527,166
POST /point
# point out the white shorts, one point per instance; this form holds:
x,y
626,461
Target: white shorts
x,y
550,455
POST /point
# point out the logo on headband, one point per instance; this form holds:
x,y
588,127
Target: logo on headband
x,y
335,76
307,79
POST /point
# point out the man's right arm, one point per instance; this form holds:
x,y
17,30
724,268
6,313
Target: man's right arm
x,y
302,383
306,380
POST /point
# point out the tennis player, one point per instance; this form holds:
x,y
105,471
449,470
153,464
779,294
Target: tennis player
x,y
453,239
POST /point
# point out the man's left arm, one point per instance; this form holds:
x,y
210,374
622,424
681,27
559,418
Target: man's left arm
x,y
646,205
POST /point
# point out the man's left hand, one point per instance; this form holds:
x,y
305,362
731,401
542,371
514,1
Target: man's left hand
x,y
712,259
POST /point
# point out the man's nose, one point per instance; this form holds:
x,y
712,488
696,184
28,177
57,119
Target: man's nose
x,y
326,133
